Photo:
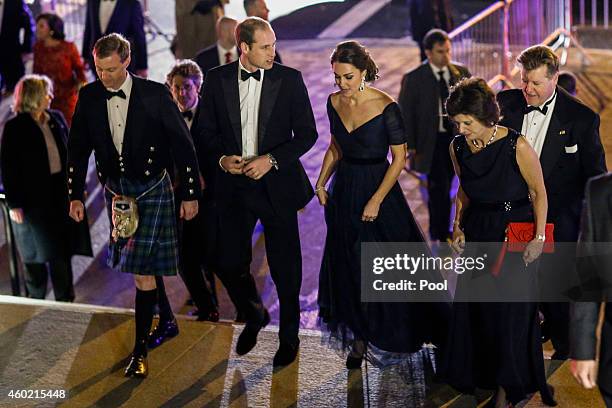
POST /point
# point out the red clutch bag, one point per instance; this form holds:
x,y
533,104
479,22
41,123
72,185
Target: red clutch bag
x,y
518,235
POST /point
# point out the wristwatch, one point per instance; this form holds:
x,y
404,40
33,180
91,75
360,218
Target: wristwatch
x,y
540,237
273,161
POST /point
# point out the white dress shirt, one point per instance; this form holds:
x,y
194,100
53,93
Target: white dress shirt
x,y
106,11
446,75
250,95
222,51
535,125
117,109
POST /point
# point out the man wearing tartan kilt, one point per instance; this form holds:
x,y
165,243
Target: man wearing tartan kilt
x,y
136,133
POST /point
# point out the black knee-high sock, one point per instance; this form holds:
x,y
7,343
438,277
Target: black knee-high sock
x,y
145,301
165,311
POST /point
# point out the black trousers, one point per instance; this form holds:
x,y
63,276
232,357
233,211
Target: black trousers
x,y
439,181
36,277
236,224
606,397
200,281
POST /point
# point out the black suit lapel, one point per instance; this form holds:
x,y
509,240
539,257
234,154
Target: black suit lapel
x,y
118,12
99,105
193,130
229,84
556,135
135,109
269,92
95,5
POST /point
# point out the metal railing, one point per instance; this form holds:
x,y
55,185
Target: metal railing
x,y
489,42
10,246
596,7
73,12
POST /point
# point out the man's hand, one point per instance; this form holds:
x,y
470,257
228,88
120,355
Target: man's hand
x,y
257,168
189,209
585,372
232,164
77,210
16,215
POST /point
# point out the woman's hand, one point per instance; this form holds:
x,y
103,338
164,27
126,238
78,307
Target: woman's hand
x,y
16,215
370,212
533,251
458,243
322,196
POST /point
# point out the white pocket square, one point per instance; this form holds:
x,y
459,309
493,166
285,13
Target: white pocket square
x,y
571,149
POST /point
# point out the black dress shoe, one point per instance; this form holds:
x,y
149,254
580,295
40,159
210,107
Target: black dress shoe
x,y
212,316
285,354
248,338
353,363
138,366
162,332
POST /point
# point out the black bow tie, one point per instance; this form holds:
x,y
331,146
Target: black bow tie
x,y
119,93
245,75
543,110
187,114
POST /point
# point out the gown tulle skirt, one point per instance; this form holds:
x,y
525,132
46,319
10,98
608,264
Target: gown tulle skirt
x,y
393,330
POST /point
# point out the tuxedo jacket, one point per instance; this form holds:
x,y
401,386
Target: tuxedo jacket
x,y
286,129
156,138
127,19
572,153
208,58
418,101
596,229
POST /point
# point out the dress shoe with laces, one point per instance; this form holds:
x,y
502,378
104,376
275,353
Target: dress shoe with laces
x,y
285,354
138,366
248,338
162,332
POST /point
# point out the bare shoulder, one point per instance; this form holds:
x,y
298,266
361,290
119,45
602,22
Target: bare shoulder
x,y
381,98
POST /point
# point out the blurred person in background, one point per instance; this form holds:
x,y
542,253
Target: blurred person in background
x,y
196,25
259,8
59,60
224,50
32,157
14,17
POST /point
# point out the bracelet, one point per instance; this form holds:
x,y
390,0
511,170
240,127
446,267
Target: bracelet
x,y
457,222
320,188
540,237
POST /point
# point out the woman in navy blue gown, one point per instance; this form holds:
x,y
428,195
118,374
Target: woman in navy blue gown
x,y
365,204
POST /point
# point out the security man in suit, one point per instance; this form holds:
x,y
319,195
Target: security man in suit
x,y
422,96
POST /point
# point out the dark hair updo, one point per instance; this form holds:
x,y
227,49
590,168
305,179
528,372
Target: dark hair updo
x,y
472,96
55,23
351,52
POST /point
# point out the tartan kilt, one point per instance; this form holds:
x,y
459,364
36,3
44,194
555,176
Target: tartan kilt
x,y
153,249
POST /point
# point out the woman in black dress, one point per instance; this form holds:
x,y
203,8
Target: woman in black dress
x,y
365,204
495,345
33,157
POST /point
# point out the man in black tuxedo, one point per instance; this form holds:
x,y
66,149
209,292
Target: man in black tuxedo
x,y
258,117
426,15
595,262
565,134
224,51
124,17
14,17
137,135
422,96
259,8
